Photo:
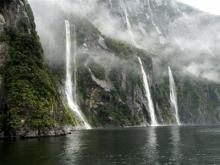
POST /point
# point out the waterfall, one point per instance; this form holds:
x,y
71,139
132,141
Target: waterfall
x,y
74,64
173,96
152,19
161,38
128,24
148,95
71,97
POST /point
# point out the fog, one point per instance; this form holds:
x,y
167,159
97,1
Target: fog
x,y
185,38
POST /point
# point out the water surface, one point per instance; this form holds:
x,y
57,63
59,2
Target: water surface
x,y
141,146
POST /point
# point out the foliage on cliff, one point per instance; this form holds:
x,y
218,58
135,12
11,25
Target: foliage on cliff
x,y
32,99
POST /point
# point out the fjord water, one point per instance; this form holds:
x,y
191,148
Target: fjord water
x,y
134,146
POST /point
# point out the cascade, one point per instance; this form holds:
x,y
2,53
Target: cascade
x,y
71,97
152,19
148,95
173,96
128,24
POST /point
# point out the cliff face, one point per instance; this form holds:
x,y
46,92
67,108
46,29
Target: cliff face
x,y
109,83
198,100
30,100
110,89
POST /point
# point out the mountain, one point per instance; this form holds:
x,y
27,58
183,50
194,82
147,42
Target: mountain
x,y
168,29
31,104
123,50
165,30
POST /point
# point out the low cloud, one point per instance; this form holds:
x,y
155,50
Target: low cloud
x,y
186,38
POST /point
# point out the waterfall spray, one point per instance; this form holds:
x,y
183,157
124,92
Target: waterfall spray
x,y
148,94
71,97
173,96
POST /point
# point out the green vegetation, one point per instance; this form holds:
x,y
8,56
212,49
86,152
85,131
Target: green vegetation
x,y
105,109
27,82
110,108
161,95
199,99
123,50
115,114
101,107
32,99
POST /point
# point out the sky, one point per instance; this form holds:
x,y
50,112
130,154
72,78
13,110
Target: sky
x,y
210,6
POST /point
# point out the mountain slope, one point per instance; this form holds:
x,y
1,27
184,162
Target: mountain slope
x,y
110,36
171,30
30,100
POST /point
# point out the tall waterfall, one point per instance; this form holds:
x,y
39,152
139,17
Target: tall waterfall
x,y
71,97
173,96
148,94
152,18
128,24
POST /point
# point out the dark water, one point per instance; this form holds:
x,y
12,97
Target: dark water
x,y
162,145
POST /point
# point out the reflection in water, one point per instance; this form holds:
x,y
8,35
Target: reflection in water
x,y
175,140
151,146
71,148
134,146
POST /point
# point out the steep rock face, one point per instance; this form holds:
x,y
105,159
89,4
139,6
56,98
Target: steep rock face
x,y
30,100
198,100
109,83
111,86
161,27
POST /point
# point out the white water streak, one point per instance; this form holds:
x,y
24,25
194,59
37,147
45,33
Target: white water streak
x,y
129,28
173,96
71,98
102,83
152,19
148,94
